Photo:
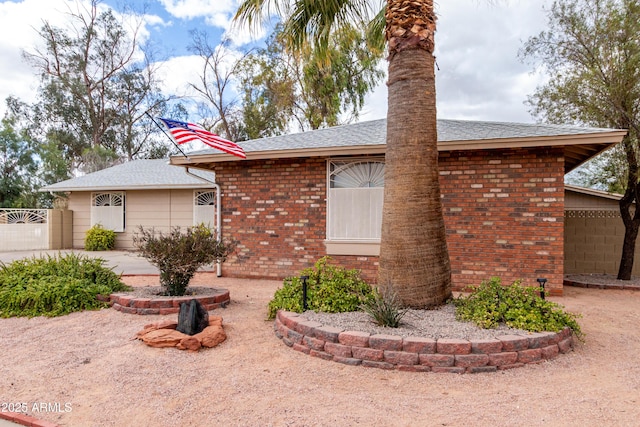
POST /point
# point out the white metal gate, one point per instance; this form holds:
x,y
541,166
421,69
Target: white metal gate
x,y
24,229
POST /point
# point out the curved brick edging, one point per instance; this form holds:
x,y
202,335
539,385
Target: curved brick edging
x,y
417,354
127,303
25,420
618,286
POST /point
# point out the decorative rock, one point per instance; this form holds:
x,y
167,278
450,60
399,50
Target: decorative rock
x,y
190,343
192,318
211,336
163,334
162,338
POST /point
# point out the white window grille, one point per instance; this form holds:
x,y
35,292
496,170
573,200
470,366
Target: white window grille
x,y
356,190
204,208
108,210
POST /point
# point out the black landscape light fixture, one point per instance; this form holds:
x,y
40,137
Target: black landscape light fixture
x,y
541,281
304,292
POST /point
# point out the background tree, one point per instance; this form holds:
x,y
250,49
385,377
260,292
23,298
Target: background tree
x,y
607,171
308,87
591,52
219,109
46,163
414,258
96,84
267,91
17,167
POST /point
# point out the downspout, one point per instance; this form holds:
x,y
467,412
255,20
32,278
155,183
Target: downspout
x,y
218,213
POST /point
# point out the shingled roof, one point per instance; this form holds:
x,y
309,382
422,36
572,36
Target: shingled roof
x,y
369,137
137,175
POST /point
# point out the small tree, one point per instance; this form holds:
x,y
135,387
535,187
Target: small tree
x,y
179,255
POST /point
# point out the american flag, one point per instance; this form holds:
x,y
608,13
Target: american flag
x,y
183,132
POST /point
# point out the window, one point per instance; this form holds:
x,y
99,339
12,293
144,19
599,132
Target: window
x,y
107,209
356,190
204,208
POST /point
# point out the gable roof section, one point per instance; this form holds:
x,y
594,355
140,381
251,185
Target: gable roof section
x,y
369,138
137,175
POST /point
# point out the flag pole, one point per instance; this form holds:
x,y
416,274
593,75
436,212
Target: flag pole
x,y
167,135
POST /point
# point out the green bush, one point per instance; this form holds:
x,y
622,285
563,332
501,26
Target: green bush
x,y
179,255
385,307
54,286
330,289
99,238
516,306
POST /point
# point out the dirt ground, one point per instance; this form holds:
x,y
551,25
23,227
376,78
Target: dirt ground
x,y
88,371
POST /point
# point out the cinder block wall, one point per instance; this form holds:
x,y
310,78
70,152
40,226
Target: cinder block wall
x,y
593,242
503,212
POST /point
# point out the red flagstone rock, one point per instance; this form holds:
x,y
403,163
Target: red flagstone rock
x,y
162,338
211,336
163,334
190,343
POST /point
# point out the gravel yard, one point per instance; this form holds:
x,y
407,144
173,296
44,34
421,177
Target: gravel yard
x,y
90,364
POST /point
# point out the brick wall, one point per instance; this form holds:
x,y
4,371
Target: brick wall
x,y
276,210
503,212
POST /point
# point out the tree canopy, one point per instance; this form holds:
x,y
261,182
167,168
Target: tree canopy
x,y
17,167
97,82
270,90
591,52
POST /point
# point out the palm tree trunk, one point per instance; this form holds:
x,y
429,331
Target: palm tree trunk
x,y
414,259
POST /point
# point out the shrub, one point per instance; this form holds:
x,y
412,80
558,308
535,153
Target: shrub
x,y
385,307
54,286
179,255
99,238
330,289
516,306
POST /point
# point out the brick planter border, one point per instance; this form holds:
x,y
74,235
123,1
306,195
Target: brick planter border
x,y
25,420
126,303
417,354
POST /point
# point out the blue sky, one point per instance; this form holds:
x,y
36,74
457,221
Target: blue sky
x,y
480,76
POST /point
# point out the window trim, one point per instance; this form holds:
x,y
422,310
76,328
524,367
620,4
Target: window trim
x,y
92,206
348,246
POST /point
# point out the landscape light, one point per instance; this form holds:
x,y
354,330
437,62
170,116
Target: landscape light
x,y
541,281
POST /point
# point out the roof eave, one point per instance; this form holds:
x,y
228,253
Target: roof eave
x,y
608,138
129,188
593,192
282,154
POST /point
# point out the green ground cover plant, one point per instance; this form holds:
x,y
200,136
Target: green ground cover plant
x,y
330,289
491,304
55,285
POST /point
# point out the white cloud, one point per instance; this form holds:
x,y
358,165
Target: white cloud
x,y
480,75
19,23
176,74
216,12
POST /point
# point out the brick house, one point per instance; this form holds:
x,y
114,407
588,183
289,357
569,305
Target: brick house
x,y
302,196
